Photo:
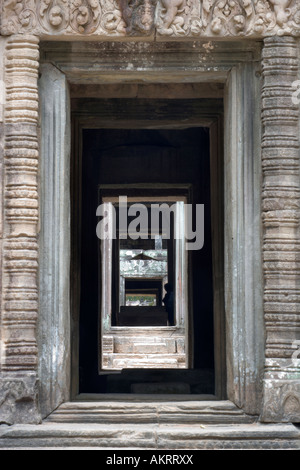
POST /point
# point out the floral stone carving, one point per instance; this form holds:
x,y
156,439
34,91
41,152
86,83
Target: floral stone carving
x,y
213,18
79,17
170,18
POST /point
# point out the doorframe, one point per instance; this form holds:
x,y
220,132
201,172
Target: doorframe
x,y
210,116
238,68
183,318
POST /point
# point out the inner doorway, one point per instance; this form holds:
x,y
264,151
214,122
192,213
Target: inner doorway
x,y
162,160
143,246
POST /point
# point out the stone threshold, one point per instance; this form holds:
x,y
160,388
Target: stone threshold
x,y
144,397
142,409
125,436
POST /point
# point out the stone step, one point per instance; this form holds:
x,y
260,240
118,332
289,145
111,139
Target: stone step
x,y
149,360
144,344
119,364
149,411
149,355
84,436
149,437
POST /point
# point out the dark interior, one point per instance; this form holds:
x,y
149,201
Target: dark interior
x,y
124,156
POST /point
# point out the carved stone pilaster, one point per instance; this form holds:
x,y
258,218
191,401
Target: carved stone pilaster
x,y
20,249
281,223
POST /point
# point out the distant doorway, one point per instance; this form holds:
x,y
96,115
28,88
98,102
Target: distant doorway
x,y
144,312
162,161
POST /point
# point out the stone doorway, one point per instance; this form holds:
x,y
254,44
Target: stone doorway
x,y
158,165
236,57
89,98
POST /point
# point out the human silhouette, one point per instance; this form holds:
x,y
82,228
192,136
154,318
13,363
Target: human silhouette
x,y
168,300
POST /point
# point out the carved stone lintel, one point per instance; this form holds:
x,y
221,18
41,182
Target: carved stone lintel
x,y
18,15
281,223
138,16
222,18
79,17
171,18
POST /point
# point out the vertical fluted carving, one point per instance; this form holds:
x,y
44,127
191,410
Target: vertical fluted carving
x,y
20,249
281,219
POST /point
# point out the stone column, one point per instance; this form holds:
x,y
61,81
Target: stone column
x,y
281,237
18,379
